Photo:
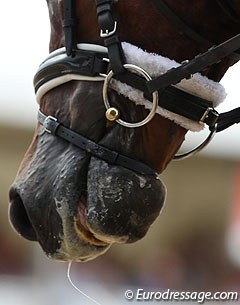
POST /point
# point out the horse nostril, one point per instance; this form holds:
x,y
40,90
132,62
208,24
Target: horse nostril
x,y
19,217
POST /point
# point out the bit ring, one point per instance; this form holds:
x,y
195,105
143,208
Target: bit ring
x,y
200,147
140,71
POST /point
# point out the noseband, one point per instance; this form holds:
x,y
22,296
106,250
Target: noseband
x,y
96,63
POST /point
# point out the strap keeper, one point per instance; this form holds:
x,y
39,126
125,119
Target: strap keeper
x,y
111,41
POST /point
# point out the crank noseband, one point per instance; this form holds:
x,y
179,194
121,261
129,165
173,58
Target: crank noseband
x,y
55,128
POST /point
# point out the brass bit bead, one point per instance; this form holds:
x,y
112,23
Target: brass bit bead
x,y
112,114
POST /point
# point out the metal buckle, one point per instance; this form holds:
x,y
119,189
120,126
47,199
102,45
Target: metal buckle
x,y
205,115
140,71
108,61
108,33
47,122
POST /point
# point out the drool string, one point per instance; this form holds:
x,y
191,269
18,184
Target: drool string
x,y
75,287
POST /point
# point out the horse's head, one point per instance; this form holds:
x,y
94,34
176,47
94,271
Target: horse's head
x,y
76,204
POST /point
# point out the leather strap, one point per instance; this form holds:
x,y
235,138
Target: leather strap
x,y
212,56
53,127
108,27
69,24
227,119
176,100
185,28
181,25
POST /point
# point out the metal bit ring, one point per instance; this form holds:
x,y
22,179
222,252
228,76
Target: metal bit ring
x,y
140,71
199,147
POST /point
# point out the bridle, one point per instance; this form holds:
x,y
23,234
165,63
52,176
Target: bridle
x,y
96,63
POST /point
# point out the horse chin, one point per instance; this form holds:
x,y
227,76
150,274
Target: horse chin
x,y
121,204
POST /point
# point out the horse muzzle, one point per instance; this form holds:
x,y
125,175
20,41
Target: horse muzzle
x,y
61,235
92,205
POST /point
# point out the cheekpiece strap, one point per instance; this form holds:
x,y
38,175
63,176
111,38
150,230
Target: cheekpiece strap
x,y
108,31
69,25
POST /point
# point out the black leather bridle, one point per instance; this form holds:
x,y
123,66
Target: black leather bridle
x,y
93,63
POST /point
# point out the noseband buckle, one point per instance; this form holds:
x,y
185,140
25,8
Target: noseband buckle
x,y
50,124
211,114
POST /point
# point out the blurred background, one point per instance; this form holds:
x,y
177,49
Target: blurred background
x,y
193,246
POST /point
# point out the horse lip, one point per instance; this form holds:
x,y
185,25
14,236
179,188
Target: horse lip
x,y
83,229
